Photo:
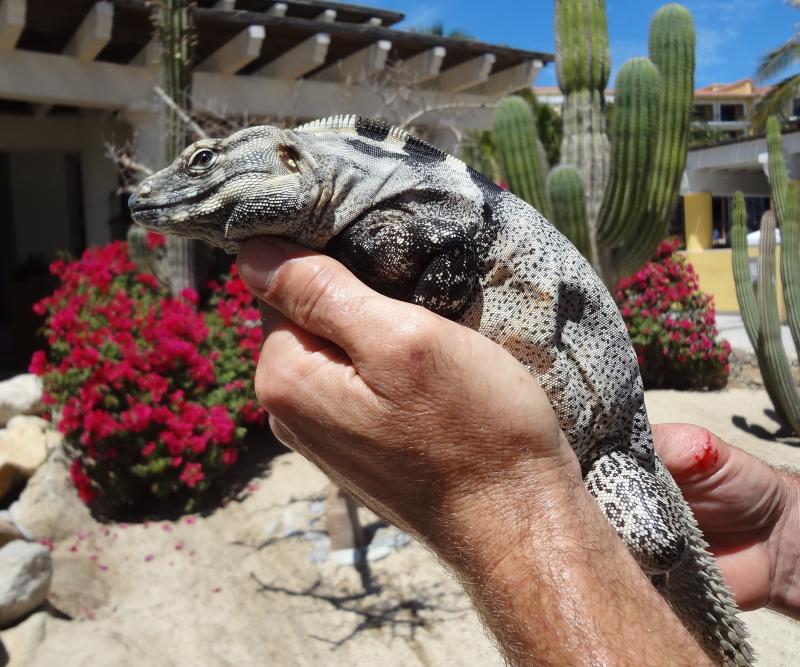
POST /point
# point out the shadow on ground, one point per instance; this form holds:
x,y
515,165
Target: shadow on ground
x,y
781,433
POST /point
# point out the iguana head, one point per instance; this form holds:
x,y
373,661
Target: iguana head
x,y
257,181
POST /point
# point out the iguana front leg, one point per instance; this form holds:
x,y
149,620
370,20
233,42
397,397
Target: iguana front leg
x,y
421,261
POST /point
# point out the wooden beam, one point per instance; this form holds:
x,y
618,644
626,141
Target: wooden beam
x,y
421,67
467,74
374,20
93,33
301,59
327,16
509,80
359,64
12,22
149,56
225,4
46,78
278,9
235,54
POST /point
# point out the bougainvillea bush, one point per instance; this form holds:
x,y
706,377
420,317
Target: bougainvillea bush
x,y
672,324
153,393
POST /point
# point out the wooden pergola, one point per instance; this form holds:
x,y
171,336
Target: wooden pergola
x,y
288,59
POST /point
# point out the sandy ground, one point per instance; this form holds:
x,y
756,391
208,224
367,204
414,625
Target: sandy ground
x,y
241,587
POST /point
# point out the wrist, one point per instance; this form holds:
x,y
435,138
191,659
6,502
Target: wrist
x,y
497,515
785,549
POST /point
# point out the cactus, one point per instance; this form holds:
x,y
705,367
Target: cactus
x,y
172,19
635,122
671,46
521,153
760,311
147,260
568,205
784,195
630,183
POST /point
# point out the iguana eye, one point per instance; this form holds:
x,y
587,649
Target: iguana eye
x,y
202,158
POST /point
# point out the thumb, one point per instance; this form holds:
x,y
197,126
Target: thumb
x,y
316,293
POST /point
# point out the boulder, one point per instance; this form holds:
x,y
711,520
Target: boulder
x,y
24,639
49,506
9,531
26,569
21,395
24,446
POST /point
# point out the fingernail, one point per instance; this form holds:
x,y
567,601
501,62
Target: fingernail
x,y
258,260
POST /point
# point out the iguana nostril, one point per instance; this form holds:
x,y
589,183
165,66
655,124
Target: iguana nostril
x,y
145,189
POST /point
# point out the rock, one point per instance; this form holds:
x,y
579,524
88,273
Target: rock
x,y
76,589
21,395
49,506
26,569
23,448
9,532
24,639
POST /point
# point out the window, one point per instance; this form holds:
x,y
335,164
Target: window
x,y
731,112
704,112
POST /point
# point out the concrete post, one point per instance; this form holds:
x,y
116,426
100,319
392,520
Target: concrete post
x,y
698,220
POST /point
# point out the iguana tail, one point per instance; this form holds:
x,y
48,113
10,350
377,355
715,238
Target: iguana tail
x,y
697,593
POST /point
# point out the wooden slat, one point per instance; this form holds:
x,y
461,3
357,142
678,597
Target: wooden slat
x,y
301,59
235,54
467,74
421,67
358,65
12,22
93,33
509,80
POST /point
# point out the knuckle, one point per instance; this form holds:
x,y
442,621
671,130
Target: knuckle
x,y
274,384
308,291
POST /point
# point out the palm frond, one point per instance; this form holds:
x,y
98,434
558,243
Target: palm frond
x,y
777,60
775,102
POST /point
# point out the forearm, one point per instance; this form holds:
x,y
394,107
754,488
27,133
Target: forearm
x,y
785,595
556,586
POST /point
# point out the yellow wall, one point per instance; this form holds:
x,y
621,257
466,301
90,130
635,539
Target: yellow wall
x,y
714,268
698,220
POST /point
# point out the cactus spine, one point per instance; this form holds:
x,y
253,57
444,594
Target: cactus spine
x,y
760,310
521,153
630,184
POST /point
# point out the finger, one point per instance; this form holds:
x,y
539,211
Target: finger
x,y
321,296
296,370
690,452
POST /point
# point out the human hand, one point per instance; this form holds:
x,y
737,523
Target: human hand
x,y
749,513
426,422
446,435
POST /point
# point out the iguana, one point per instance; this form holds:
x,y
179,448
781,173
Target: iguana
x,y
419,225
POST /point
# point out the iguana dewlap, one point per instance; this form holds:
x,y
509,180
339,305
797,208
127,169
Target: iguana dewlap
x,y
419,225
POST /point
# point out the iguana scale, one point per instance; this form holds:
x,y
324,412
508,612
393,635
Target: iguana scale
x,y
419,225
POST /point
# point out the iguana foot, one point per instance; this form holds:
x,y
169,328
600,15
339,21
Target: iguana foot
x,y
642,509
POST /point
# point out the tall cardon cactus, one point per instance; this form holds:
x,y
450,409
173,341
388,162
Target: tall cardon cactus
x,y
186,259
630,183
759,305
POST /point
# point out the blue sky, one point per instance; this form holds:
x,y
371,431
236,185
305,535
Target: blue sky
x,y
731,34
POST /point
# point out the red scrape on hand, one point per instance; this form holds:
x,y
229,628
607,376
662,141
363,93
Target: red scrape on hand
x,y
706,456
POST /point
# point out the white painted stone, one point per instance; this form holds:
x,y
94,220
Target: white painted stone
x,y
21,395
26,569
